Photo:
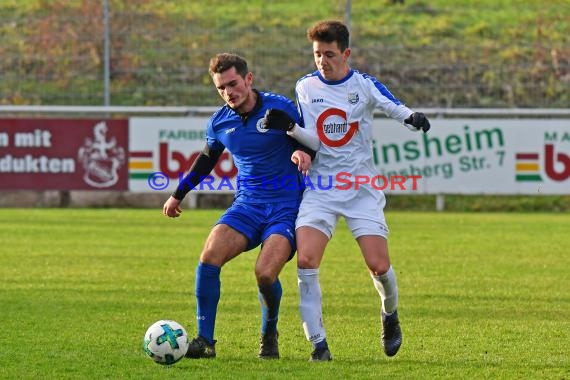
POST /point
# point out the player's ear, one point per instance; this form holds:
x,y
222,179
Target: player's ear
x,y
346,53
249,78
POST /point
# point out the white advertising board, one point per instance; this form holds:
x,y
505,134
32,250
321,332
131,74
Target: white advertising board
x,y
478,156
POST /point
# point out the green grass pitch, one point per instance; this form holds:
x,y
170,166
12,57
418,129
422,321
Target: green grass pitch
x,y
481,296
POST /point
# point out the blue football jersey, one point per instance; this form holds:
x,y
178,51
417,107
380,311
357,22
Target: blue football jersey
x,y
262,156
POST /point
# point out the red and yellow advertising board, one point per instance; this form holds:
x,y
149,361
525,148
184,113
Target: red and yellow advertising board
x,y
64,154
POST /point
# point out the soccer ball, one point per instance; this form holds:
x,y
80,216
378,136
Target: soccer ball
x,y
165,342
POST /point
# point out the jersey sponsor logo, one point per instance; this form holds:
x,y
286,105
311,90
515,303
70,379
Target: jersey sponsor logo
x,y
353,97
320,100
325,128
259,126
231,130
335,128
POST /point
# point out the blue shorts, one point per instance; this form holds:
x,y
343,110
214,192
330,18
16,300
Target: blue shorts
x,y
257,221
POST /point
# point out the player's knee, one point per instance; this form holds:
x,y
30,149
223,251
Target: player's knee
x,y
379,268
264,277
212,257
307,262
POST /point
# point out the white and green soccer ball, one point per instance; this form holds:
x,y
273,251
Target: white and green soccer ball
x,y
165,342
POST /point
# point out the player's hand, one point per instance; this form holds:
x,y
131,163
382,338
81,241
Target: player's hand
x,y
172,208
277,119
417,121
302,160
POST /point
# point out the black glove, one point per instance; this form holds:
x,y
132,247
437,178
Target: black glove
x,y
277,119
419,121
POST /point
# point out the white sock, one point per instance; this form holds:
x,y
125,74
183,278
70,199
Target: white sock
x,y
310,305
388,289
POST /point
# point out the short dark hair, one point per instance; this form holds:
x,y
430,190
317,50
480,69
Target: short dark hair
x,y
329,31
225,61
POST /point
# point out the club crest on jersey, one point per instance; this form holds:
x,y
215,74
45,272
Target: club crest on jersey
x,y
259,126
353,97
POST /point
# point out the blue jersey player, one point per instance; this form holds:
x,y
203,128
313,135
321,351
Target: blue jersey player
x,y
264,210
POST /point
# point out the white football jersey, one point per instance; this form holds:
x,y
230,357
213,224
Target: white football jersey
x,y
341,113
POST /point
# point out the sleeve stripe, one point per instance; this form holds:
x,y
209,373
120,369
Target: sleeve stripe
x,y
382,89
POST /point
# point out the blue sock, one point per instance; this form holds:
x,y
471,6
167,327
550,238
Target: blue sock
x,y
270,298
321,344
207,297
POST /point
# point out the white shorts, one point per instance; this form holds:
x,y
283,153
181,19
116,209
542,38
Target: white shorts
x,y
362,209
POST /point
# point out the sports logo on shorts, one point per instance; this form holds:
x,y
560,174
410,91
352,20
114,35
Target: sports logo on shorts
x,y
259,126
353,97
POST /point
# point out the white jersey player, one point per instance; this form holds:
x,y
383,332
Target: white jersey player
x,y
338,103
